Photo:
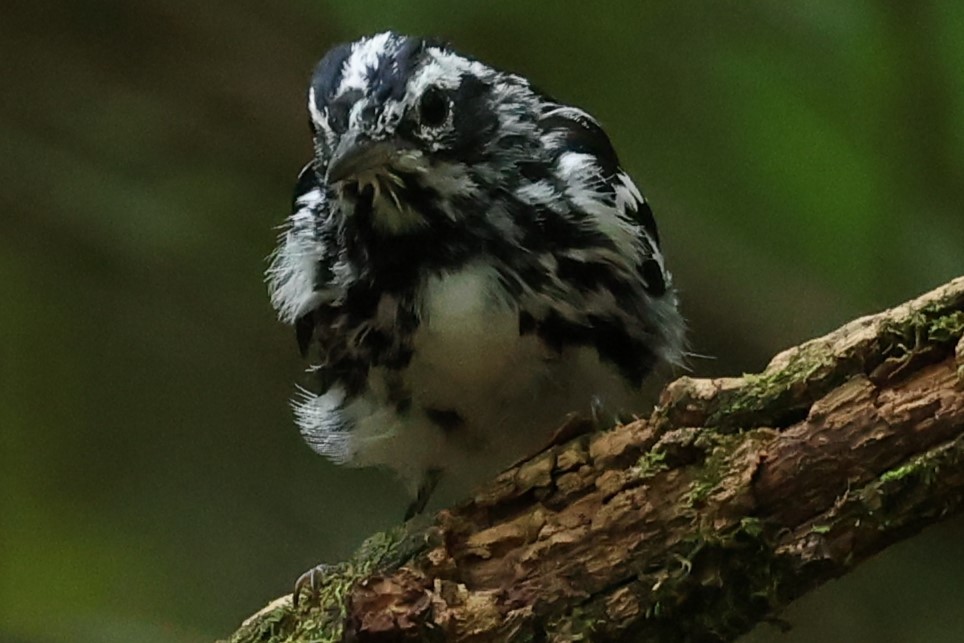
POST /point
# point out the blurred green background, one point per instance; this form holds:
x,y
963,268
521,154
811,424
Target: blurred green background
x,y
805,161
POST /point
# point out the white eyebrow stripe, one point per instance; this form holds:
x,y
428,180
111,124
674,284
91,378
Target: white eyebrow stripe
x,y
317,117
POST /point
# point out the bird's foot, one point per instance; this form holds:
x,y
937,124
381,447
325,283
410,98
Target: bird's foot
x,y
429,481
575,425
310,583
602,417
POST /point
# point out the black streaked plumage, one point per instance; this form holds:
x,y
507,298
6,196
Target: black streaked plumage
x,y
466,262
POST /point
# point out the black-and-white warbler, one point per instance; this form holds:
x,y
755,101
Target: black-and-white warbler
x,y
466,263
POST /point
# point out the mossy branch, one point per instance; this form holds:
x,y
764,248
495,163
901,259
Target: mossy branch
x,y
735,497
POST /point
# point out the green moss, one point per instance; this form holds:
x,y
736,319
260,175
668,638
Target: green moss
x,y
712,471
946,328
733,577
385,548
924,468
779,397
580,624
752,527
931,326
768,397
913,494
898,474
651,463
717,584
323,621
730,579
713,586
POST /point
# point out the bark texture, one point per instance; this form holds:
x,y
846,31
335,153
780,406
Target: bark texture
x,y
736,496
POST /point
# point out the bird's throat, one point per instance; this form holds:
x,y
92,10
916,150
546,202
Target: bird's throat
x,y
379,200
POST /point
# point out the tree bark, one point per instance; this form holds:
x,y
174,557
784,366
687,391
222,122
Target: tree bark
x,y
736,496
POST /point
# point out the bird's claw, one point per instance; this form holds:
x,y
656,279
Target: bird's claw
x,y
311,581
601,416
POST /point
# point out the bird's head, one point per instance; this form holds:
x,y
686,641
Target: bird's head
x,y
411,131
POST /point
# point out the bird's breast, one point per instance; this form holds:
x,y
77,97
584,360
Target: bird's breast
x,y
479,394
468,341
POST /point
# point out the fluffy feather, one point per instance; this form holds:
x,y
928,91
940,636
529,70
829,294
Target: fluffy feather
x,y
495,269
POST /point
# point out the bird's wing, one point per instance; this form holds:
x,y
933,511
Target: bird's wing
x,y
606,281
300,273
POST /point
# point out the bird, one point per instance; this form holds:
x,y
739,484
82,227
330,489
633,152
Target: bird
x,y
465,264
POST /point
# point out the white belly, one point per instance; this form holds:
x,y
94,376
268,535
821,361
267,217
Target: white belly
x,y
510,390
468,352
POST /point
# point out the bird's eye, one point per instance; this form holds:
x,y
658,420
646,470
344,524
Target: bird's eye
x,y
340,108
433,109
338,116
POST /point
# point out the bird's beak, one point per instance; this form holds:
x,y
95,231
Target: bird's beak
x,y
355,155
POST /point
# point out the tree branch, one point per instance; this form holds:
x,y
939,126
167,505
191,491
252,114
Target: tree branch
x,y
735,497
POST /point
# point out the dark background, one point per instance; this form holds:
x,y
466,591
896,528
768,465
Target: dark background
x,y
805,161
